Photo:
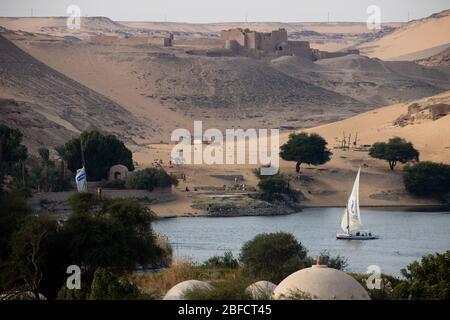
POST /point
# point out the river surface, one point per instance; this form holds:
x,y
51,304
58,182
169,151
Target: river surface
x,y
405,236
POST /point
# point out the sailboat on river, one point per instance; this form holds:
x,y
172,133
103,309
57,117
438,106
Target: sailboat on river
x,y
351,222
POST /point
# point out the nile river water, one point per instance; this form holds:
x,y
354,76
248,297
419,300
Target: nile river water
x,y
405,236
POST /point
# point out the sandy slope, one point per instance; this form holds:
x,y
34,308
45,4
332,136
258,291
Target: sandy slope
x,y
39,98
430,137
169,88
411,38
371,81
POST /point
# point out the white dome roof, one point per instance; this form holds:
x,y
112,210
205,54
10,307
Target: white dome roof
x,y
320,283
178,290
261,290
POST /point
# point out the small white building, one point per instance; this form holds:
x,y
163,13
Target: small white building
x,y
118,172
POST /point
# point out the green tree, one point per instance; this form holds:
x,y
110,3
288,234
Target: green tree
x,y
427,178
43,175
150,178
100,153
305,148
12,152
29,259
427,279
273,256
395,150
87,203
118,236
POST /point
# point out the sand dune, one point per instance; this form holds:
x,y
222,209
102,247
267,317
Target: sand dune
x,y
428,136
409,41
60,103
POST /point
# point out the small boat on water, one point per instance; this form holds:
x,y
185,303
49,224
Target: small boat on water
x,y
351,222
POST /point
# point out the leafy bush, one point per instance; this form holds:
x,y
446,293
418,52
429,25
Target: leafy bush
x,y
427,178
273,184
150,178
273,256
87,203
227,261
386,290
426,280
12,152
395,150
117,237
104,286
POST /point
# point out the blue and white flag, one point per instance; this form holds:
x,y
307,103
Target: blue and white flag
x,y
81,180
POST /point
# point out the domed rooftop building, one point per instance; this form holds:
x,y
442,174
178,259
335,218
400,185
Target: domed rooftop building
x,y
320,283
261,290
177,292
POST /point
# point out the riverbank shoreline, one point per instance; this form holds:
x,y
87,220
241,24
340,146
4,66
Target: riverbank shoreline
x,y
401,208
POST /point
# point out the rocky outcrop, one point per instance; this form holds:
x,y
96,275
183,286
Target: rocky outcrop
x,y
259,208
417,113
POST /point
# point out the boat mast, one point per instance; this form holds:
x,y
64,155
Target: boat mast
x,y
348,221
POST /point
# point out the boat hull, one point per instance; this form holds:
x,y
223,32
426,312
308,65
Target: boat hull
x,y
345,236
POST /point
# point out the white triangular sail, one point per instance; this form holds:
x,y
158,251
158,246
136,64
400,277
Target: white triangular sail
x,y
351,219
81,180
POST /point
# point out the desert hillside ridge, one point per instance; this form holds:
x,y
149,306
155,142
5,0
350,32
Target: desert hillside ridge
x,y
417,39
167,88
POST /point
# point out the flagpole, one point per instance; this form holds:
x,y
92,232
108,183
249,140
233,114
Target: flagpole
x,y
82,152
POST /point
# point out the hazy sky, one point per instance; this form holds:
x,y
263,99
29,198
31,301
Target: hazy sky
x,y
228,10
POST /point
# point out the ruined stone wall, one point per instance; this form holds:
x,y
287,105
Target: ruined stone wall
x,y
268,43
234,34
299,49
253,40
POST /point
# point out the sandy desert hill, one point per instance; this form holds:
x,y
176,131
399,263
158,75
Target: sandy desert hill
x,y
49,107
368,80
417,39
170,87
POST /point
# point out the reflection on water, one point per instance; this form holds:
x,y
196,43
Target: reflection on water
x,y
405,236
